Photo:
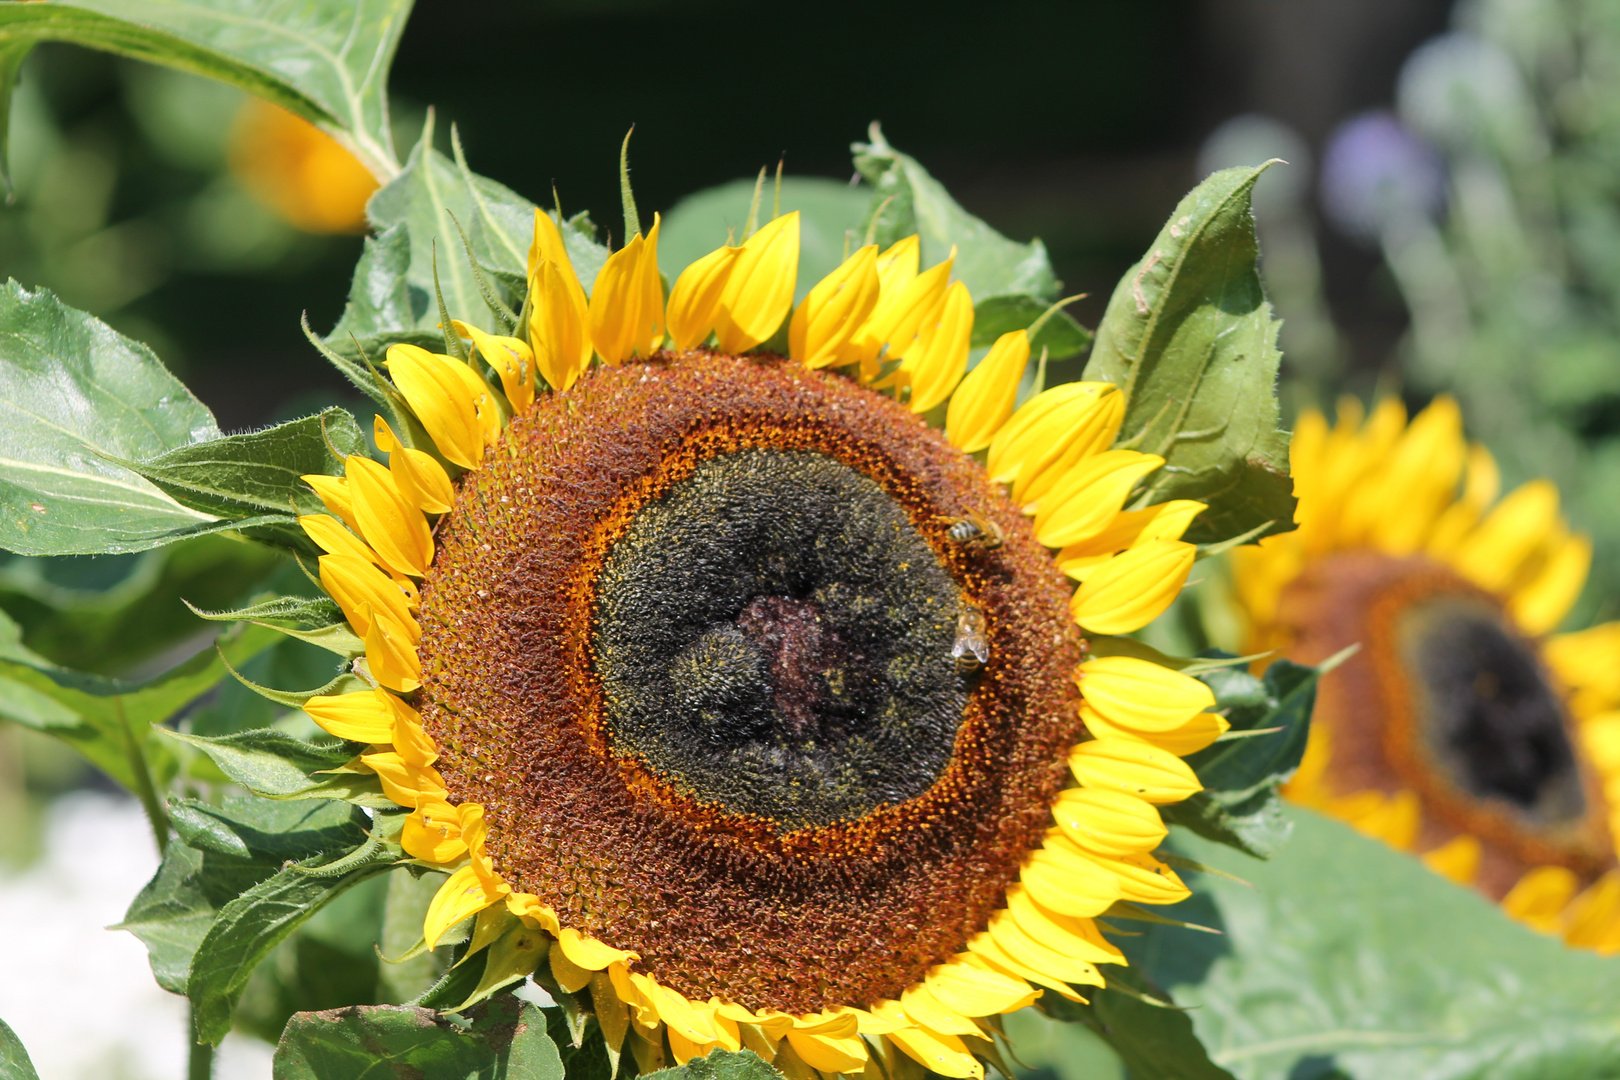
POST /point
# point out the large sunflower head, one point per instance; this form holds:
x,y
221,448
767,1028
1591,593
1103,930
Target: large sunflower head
x,y
1466,729
734,696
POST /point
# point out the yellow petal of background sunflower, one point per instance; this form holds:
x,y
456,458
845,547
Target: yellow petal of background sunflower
x,y
1494,553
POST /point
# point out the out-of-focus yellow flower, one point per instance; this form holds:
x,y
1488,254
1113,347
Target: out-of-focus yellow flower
x,y
299,171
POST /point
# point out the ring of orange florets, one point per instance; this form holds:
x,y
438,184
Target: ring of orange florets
x,y
719,904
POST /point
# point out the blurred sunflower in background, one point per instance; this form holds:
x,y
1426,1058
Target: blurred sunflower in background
x,y
1466,730
307,177
729,690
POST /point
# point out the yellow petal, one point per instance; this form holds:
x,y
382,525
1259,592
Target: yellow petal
x,y
938,1052
433,832
834,310
359,587
983,951
1181,740
984,400
558,324
588,953
1592,920
393,527
1541,603
1069,885
460,897
440,398
939,359
1077,938
1130,528
1133,588
405,784
359,717
1109,822
759,290
1088,498
972,991
547,244
1142,694
1041,955
391,654
1457,859
905,310
1142,878
694,302
330,536
1135,768
626,313
1514,529
1051,433
827,1054
420,479
334,495
923,1008
1539,897
512,360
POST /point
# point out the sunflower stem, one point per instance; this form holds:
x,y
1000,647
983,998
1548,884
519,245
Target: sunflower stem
x,y
145,789
200,1062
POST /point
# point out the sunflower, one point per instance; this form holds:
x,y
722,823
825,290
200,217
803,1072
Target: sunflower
x,y
735,695
1465,729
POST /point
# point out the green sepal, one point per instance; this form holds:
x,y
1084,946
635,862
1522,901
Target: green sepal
x,y
238,476
342,683
1239,805
276,765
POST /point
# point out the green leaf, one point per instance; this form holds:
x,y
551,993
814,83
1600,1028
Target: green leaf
x,y
1060,336
830,217
272,763
240,475
102,718
721,1065
248,927
427,199
1350,959
906,200
506,1040
1154,1040
381,300
110,613
219,853
14,1063
76,397
1239,805
326,60
1190,340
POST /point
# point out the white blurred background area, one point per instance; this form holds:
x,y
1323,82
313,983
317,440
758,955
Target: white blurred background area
x,y
79,996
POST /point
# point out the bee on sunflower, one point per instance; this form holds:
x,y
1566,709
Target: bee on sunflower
x,y
1467,731
690,677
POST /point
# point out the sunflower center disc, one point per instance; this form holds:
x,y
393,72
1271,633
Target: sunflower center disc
x,y
773,636
1489,717
687,639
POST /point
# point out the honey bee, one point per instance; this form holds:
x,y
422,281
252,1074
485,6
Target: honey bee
x,y
972,649
973,530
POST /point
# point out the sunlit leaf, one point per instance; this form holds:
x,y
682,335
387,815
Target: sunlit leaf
x,y
327,60
506,1040
1189,338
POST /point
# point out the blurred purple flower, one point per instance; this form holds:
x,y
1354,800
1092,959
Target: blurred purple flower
x,y
1376,174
